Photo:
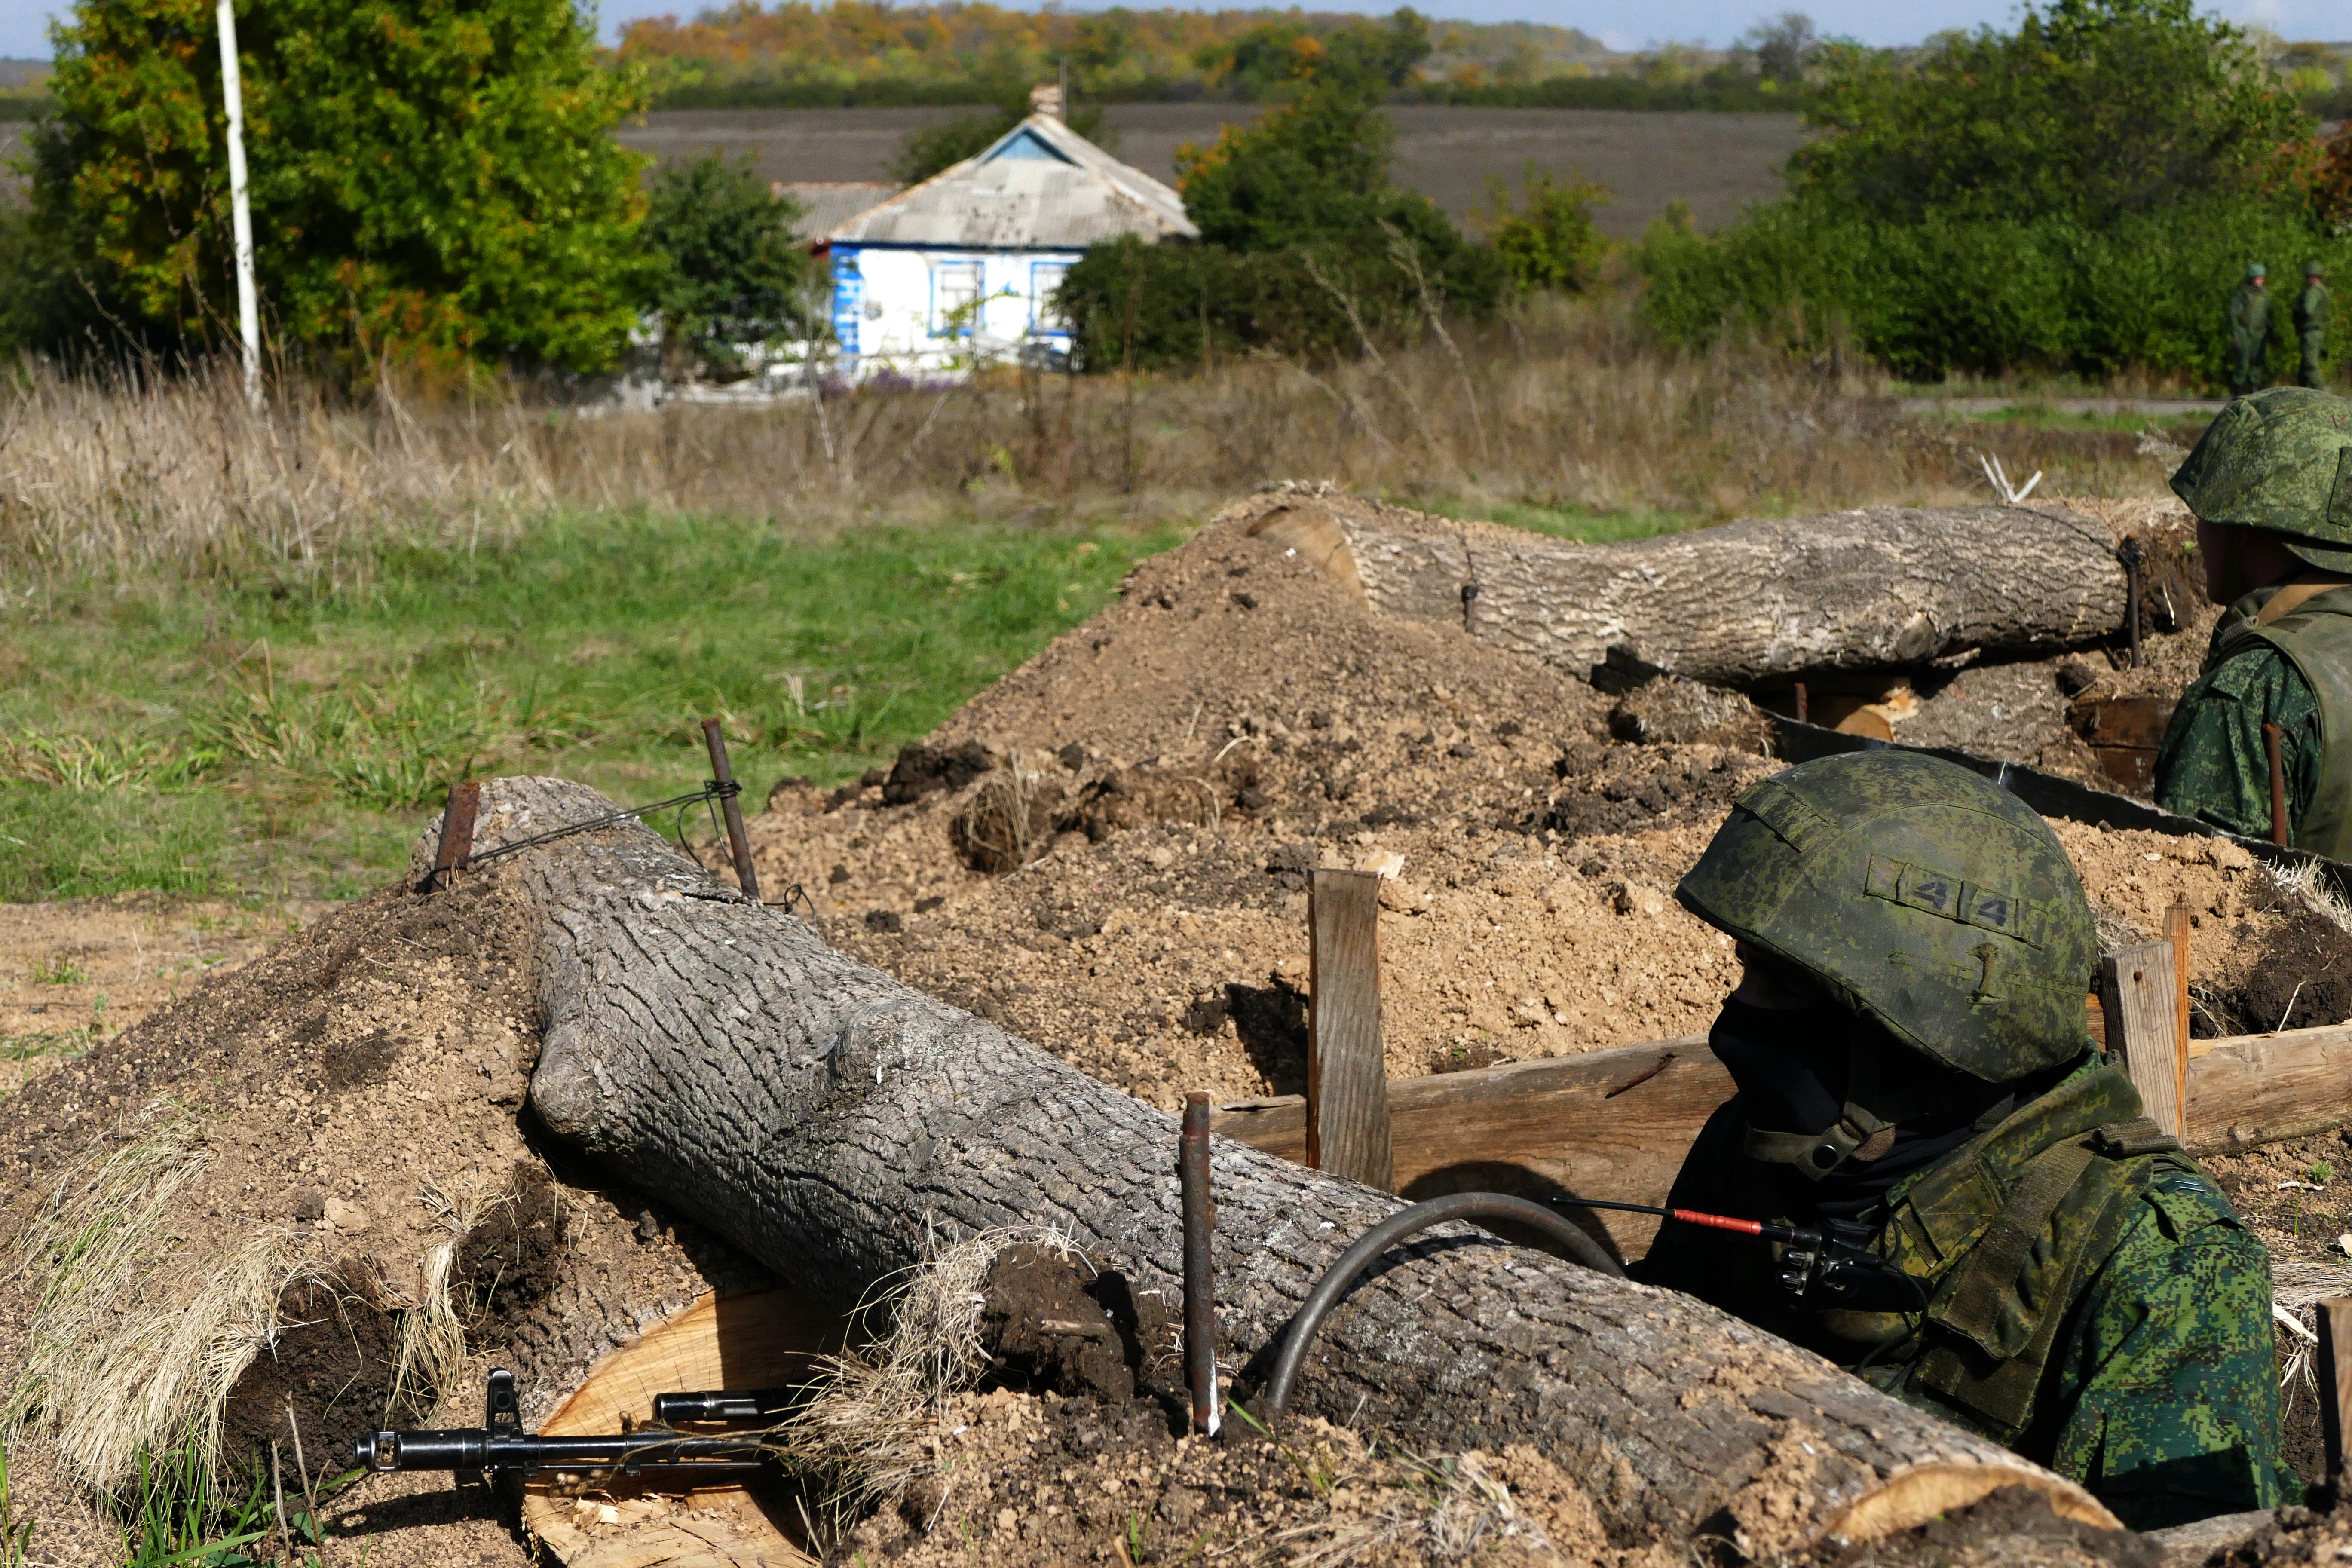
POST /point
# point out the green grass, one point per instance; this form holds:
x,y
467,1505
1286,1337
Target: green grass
x,y
260,741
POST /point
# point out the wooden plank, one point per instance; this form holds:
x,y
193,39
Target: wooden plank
x,y
2335,1381
2178,921
1346,1064
2261,1089
2136,990
1615,1123
1606,1124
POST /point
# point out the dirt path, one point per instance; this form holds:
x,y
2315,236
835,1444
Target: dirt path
x,y
75,972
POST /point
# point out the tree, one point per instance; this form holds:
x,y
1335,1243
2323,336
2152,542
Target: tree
x,y
1315,167
732,274
1550,243
427,178
1784,45
2091,110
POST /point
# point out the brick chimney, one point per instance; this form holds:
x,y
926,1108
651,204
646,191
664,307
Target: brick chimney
x,y
1046,100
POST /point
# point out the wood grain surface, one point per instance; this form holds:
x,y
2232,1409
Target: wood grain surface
x,y
1347,1076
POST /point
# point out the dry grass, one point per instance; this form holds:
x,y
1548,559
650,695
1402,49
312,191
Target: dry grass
x,y
869,1429
129,1354
1565,405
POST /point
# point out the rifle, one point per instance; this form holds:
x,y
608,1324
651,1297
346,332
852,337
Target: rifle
x,y
499,1445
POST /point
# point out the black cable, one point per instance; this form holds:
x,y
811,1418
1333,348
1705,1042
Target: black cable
x,y
1406,1222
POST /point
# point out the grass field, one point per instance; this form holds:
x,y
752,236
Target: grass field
x,y
203,740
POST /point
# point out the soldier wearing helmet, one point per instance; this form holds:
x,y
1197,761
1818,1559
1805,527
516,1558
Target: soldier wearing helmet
x,y
2311,311
2271,485
2250,331
2046,1266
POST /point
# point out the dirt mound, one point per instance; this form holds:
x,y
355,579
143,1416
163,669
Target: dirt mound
x,y
341,1114
1166,776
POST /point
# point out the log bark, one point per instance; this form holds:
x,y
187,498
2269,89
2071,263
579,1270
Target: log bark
x,y
1744,604
826,1119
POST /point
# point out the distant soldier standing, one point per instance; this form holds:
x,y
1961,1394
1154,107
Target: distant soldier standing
x,y
2271,485
2311,309
2250,331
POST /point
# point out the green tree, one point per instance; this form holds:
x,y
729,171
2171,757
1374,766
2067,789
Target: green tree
x,y
2092,108
1549,242
2079,194
1315,169
434,178
730,272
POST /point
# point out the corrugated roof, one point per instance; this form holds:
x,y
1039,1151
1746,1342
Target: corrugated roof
x,y
825,205
1040,186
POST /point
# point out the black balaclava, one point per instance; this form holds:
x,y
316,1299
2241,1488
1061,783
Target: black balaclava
x,y
1792,1066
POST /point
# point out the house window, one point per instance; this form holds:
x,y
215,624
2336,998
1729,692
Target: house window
x,y
1045,277
955,290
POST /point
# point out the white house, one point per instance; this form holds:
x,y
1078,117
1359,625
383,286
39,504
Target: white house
x,y
961,270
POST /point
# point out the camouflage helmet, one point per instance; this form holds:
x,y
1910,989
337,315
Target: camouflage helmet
x,y
2256,269
2314,269
1923,897
2280,461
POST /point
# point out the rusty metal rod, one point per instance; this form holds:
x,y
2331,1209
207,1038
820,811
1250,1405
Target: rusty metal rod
x,y
2278,785
723,777
1804,707
456,846
1199,1207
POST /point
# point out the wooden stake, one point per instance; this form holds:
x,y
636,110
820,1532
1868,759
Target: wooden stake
x,y
2176,926
2136,992
2334,1382
1347,1069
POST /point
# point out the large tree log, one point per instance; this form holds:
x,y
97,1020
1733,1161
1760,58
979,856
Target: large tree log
x,y
825,1117
1739,604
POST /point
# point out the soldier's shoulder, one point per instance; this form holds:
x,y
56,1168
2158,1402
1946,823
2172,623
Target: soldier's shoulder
x,y
2255,670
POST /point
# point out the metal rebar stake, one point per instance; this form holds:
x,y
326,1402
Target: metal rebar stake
x,y
1200,1270
456,846
738,845
2279,833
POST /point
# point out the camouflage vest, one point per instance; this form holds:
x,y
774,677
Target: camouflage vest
x,y
2005,1235
2315,638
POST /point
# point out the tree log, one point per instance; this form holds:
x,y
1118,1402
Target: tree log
x,y
826,1119
1740,604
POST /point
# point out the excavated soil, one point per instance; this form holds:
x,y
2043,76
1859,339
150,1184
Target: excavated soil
x,y
1108,852
353,1094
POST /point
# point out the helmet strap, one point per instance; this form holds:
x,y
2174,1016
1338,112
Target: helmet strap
x,y
1859,1130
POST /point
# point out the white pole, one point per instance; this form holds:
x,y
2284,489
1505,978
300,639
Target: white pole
x,y
249,309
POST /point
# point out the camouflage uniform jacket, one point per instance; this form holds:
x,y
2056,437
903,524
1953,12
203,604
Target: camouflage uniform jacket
x,y
2093,1303
2311,308
2213,765
2250,316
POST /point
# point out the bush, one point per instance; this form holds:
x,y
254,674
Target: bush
x,y
1160,306
2079,195
432,179
731,272
1550,243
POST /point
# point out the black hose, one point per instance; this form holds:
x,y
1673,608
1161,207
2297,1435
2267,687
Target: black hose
x,y
1395,1228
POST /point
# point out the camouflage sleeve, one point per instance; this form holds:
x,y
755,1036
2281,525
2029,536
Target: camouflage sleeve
x,y
2213,765
2167,1393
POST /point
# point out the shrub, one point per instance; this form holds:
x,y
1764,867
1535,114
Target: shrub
x,y
731,273
1550,243
2081,196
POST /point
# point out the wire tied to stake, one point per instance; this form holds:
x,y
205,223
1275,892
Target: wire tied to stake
x,y
711,790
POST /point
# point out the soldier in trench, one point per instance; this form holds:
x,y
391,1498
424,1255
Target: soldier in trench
x,y
2271,486
2047,1266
